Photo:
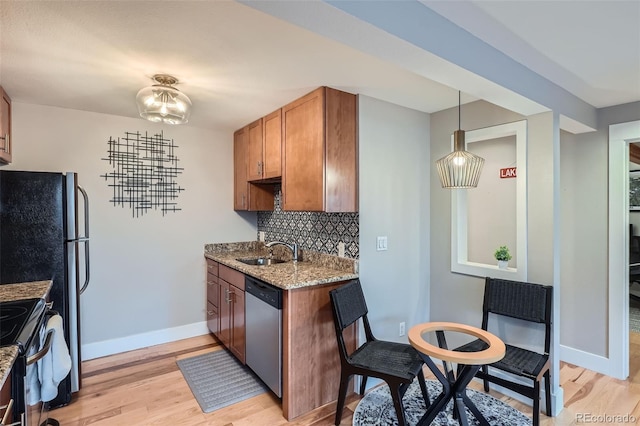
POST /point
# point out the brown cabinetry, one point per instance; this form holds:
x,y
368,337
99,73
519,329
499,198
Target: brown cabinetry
x,y
310,145
265,148
320,152
225,306
213,297
5,127
247,196
272,142
254,150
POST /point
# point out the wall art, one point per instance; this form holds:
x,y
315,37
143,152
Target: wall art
x,y
144,173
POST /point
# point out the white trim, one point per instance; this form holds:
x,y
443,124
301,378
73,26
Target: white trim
x,y
142,340
459,260
586,360
619,137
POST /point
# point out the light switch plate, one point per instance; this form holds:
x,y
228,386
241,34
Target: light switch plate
x,y
341,249
381,244
260,235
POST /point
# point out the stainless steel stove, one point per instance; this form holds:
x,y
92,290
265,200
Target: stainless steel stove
x,y
19,319
20,324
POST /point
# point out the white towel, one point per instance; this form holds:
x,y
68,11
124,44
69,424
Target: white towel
x,y
56,364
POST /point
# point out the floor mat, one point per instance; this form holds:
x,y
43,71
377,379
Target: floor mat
x,y
217,379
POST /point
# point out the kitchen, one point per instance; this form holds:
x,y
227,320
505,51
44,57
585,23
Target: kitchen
x,y
148,272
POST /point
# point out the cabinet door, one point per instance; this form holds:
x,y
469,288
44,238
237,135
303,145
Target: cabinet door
x,y
241,196
224,312
272,140
213,319
303,136
213,290
255,163
5,127
237,345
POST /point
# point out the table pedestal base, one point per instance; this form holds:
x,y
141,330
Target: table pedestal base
x,y
452,388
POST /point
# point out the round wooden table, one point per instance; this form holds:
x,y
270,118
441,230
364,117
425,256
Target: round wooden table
x,y
454,386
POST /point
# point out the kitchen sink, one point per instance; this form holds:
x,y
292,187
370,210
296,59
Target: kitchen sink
x,y
260,261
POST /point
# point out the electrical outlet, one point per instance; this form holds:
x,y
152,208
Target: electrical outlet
x,y
381,243
341,249
260,235
401,329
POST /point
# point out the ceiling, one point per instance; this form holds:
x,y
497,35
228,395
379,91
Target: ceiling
x,y
238,63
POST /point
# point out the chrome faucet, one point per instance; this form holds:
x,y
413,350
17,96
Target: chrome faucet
x,y
293,247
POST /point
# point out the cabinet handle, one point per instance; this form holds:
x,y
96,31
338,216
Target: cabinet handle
x,y
210,313
258,168
243,197
5,138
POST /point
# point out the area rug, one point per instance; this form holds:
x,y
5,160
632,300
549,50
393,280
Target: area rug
x,y
376,408
217,379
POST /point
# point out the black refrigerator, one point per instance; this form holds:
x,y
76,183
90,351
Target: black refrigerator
x,y
40,240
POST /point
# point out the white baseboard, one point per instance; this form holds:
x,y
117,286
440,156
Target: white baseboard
x,y
586,360
142,340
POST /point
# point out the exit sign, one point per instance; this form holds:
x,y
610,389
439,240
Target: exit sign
x,y
509,172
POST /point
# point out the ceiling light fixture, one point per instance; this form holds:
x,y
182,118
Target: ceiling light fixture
x,y
460,169
163,103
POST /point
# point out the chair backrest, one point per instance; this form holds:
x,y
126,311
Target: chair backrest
x,y
348,304
521,300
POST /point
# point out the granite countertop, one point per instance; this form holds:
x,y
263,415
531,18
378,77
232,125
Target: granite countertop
x,y
313,268
9,292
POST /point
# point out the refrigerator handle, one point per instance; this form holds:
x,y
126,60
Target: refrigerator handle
x,y
85,239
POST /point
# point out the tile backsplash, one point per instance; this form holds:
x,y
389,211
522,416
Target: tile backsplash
x,y
312,230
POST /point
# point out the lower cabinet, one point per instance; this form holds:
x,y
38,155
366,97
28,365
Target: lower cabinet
x,y
225,307
213,297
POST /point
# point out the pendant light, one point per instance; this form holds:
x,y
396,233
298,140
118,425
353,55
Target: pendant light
x,y
460,169
163,103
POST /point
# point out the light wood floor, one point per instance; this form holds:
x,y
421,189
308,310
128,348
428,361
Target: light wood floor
x,y
145,387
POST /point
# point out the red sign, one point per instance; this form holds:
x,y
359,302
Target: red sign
x,y
509,172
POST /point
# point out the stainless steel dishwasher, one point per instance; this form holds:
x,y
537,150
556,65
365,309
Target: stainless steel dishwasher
x,y
263,322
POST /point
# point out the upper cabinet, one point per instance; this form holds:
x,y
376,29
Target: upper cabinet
x,y
265,148
310,145
254,151
320,152
5,128
272,143
247,196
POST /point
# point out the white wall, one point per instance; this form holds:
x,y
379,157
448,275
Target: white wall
x,y
584,243
454,297
394,202
148,273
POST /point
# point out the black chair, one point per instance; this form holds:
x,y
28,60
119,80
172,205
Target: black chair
x,y
395,363
527,302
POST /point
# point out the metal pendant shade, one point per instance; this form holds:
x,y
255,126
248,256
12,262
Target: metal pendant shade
x,y
164,103
460,169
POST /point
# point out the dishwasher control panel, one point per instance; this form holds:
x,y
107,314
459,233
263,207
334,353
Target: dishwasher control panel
x,y
264,291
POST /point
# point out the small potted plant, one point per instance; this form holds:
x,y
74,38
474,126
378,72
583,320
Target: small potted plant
x,y
503,256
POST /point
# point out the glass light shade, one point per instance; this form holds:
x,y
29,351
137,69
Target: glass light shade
x,y
460,169
163,103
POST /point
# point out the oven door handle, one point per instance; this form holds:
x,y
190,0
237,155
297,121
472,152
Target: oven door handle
x,y
42,352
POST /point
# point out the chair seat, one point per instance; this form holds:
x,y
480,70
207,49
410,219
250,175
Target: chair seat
x,y
388,358
516,360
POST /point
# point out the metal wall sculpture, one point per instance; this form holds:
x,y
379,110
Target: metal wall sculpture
x,y
144,172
